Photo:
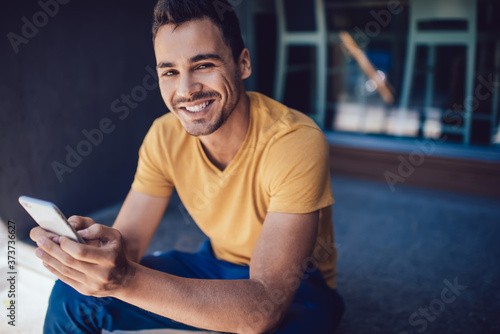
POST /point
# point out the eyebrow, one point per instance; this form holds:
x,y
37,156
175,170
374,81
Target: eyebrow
x,y
206,56
194,59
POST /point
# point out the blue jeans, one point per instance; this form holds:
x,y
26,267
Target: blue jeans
x,y
315,309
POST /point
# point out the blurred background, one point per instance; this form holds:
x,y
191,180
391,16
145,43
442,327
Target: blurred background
x,y
407,93
373,75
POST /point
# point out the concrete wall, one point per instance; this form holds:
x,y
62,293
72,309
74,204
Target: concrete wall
x,y
71,68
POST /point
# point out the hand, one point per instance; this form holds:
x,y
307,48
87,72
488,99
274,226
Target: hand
x,y
80,224
95,270
77,222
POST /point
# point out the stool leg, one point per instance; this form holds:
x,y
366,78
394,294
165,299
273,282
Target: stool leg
x,y
469,87
429,83
407,83
494,99
321,82
281,65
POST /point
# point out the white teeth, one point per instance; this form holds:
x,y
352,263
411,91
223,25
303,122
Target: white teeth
x,y
197,108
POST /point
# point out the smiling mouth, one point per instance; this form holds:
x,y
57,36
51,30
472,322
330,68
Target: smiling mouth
x,y
200,107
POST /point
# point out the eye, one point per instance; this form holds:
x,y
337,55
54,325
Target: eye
x,y
205,66
169,73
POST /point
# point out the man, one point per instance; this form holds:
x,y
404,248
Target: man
x,y
252,173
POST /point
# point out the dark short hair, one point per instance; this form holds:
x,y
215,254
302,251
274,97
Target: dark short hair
x,y
220,12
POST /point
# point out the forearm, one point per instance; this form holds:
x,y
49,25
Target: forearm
x,y
240,306
134,250
137,222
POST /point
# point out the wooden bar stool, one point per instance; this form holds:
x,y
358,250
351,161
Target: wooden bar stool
x,y
312,15
422,11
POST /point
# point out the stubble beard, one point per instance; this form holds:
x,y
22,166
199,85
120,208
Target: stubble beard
x,y
204,128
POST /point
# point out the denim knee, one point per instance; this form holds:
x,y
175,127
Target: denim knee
x,y
72,312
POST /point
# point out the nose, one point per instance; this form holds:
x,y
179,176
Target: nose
x,y
188,85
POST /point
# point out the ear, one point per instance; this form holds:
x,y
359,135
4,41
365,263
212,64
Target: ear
x,y
244,63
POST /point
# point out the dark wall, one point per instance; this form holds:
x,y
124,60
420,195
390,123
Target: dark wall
x,y
72,74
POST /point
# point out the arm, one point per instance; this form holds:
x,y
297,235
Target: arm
x,y
138,220
252,306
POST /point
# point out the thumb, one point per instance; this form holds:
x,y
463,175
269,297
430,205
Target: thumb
x,y
97,231
79,222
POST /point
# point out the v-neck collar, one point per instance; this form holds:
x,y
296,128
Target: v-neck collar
x,y
235,160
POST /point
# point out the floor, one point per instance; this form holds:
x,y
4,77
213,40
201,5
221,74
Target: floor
x,y
399,251
410,261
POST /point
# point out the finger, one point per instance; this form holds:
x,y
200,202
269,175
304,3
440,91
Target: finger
x,y
70,281
83,232
59,269
52,253
81,287
80,223
81,252
38,232
101,232
93,242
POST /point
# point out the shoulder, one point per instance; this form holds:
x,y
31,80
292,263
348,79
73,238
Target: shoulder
x,y
280,126
166,130
278,114
166,124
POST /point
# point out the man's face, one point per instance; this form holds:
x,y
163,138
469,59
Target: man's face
x,y
199,81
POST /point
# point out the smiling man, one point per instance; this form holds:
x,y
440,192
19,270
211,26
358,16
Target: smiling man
x,y
253,174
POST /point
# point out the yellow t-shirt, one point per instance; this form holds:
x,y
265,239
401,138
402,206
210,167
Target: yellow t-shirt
x,y
282,166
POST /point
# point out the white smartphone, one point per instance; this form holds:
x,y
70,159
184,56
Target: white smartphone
x,y
49,217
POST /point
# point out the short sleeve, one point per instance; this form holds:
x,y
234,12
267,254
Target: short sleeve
x,y
297,172
152,174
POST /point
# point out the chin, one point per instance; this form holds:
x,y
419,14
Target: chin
x,y
201,129
197,130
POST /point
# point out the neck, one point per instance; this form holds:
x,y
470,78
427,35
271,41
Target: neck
x,y
222,145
